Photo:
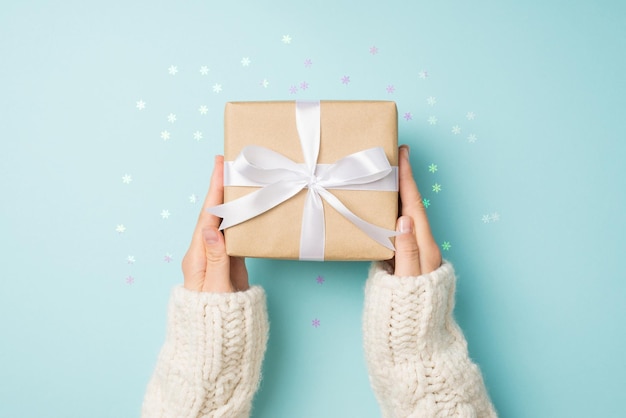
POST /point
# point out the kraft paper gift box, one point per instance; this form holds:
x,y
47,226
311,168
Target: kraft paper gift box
x,y
346,127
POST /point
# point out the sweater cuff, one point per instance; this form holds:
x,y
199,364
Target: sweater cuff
x,y
438,283
210,364
204,325
425,301
194,301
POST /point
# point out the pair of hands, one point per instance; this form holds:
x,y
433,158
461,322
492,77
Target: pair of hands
x,y
207,267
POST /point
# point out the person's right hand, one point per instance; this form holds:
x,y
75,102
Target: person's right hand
x,y
416,250
206,266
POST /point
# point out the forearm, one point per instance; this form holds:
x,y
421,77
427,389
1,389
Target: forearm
x,y
210,363
417,356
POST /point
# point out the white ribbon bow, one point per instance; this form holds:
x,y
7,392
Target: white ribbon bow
x,y
282,178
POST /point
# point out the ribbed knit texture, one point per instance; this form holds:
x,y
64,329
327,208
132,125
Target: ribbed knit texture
x,y
210,364
416,353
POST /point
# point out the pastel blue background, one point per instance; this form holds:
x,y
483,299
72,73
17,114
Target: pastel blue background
x,y
533,208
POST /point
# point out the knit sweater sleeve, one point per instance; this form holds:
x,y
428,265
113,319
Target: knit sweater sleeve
x,y
416,353
210,363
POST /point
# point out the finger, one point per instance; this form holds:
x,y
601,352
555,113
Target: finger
x,y
410,197
412,205
239,273
217,276
215,196
407,258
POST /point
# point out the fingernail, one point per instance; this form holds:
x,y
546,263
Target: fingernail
x,y
406,149
405,224
210,236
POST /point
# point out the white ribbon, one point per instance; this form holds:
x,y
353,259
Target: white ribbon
x,y
282,178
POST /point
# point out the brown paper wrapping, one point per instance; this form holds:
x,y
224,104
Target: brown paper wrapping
x,y
346,127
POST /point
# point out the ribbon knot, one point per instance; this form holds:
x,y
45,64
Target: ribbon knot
x,y
281,178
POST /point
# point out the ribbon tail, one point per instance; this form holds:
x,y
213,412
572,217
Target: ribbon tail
x,y
255,203
377,233
313,233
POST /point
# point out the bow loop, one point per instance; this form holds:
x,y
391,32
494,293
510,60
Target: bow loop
x,y
267,166
359,168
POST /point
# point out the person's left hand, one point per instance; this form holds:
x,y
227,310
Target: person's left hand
x,y
206,266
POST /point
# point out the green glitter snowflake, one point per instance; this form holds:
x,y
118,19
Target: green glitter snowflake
x,y
426,203
432,168
446,245
436,187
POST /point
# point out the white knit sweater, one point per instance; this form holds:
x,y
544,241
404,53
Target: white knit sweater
x,y
417,358
210,364
416,353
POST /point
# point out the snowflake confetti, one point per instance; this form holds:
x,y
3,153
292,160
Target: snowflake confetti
x,y
470,115
204,70
203,110
432,168
308,63
172,70
345,79
456,130
495,217
293,90
390,89
304,85
141,105
432,120
171,118
265,83
165,214
408,116
486,219
471,138
286,39
373,50
436,187
130,280
127,179
446,246
120,228
423,74
130,259
197,136
167,258
319,280
245,62
426,203
431,101
165,135
193,198
217,88
315,323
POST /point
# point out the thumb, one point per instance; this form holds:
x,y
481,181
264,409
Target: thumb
x,y
407,252
217,277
